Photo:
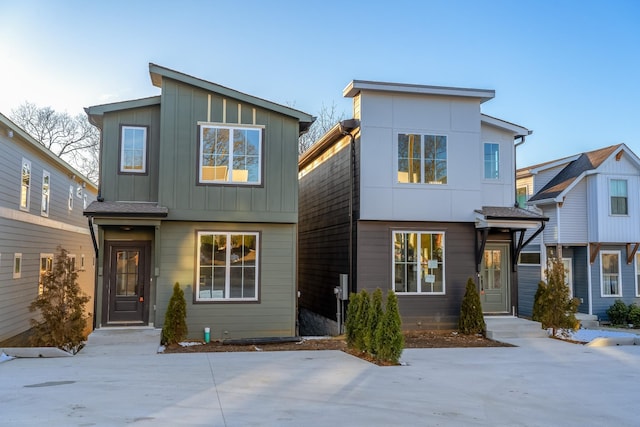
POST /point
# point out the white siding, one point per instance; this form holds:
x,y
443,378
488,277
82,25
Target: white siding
x,y
542,178
618,228
550,233
382,198
573,215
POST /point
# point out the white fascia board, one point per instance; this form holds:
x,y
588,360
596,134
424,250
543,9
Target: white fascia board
x,y
356,86
516,129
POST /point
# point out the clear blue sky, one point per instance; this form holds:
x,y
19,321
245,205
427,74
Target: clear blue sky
x,y
568,70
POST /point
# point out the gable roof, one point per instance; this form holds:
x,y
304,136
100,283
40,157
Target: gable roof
x,y
46,153
577,168
158,73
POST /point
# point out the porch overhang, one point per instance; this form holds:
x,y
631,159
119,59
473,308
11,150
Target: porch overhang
x,y
514,220
125,210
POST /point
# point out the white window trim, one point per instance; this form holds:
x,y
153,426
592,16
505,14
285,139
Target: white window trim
x,y
619,294
613,178
227,283
70,202
47,256
419,264
231,128
45,205
144,151
17,262
484,165
26,206
530,252
422,172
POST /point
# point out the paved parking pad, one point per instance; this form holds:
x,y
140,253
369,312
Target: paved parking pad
x,y
120,380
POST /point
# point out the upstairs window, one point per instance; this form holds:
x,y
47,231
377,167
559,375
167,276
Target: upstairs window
x,y
133,149
17,265
70,201
46,193
618,194
422,159
491,160
25,185
230,154
521,196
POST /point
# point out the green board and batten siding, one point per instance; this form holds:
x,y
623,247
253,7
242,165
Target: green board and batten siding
x,y
276,200
130,187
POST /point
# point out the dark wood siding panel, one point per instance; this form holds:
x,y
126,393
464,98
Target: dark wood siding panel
x,y
418,311
528,279
323,237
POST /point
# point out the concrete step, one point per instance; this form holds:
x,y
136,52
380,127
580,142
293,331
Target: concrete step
x,y
588,321
499,327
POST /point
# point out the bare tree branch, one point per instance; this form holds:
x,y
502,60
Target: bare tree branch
x,y
73,139
327,118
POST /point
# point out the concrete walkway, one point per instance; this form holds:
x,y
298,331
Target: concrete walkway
x,y
119,379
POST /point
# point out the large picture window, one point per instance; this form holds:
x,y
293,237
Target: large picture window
x,y
133,149
418,262
227,266
491,160
618,193
230,154
610,273
422,159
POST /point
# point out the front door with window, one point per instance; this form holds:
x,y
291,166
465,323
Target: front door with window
x,y
494,278
127,283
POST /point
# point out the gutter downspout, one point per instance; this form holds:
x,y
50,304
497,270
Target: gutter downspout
x,y
95,278
515,169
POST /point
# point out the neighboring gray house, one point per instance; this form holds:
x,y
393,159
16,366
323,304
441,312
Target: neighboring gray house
x,y
198,187
592,201
41,203
415,194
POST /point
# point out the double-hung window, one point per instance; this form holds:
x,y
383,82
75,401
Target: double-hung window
x,y
227,266
230,154
422,159
17,265
610,273
46,266
133,149
70,200
46,193
25,185
619,197
418,262
491,160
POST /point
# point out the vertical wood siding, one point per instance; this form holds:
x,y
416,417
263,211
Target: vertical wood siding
x,y
130,187
276,200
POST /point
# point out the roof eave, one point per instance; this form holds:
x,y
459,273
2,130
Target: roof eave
x,y
356,86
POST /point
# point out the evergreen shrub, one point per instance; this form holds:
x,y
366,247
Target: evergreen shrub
x,y
618,313
471,320
175,328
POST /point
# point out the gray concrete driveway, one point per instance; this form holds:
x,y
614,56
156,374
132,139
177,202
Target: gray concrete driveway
x,y
118,379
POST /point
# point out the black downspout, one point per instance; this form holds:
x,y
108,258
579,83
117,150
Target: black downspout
x,y
95,278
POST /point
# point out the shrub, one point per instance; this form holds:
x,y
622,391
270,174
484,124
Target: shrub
x,y
618,313
634,315
362,316
350,324
375,315
538,301
61,304
389,337
175,329
471,319
555,309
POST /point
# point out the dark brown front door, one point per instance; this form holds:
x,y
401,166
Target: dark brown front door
x,y
127,290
